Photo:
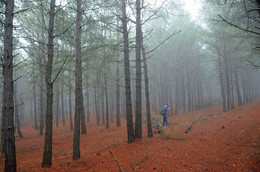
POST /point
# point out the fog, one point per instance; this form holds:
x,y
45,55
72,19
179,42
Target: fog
x,y
74,62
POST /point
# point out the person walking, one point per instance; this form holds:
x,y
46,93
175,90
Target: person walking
x,y
165,113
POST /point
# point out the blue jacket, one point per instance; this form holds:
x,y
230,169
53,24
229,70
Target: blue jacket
x,y
165,109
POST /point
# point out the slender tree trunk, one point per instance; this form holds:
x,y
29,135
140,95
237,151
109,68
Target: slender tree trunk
x,y
62,104
138,109
130,128
8,89
70,107
118,122
47,154
239,99
183,93
227,78
176,87
57,105
35,108
96,105
41,102
78,88
147,97
112,107
42,63
106,97
103,104
221,82
17,112
88,104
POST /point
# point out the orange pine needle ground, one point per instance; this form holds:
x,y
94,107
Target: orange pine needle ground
x,y
216,142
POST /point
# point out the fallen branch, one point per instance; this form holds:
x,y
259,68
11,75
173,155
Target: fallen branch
x,y
189,127
116,161
132,166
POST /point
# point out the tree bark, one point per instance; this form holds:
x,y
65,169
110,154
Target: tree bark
x,y
34,107
138,108
239,98
8,90
221,82
57,104
96,105
70,107
130,129
17,119
88,104
62,105
47,154
78,86
147,97
227,77
118,122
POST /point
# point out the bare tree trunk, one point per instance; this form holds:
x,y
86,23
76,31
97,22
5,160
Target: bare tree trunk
x,y
57,104
47,155
239,99
34,107
88,113
8,89
96,105
102,104
17,112
138,109
106,97
188,88
42,60
130,128
118,122
78,88
147,97
227,77
112,107
221,82
176,87
62,104
70,108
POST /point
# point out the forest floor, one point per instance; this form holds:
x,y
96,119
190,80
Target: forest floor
x,y
217,141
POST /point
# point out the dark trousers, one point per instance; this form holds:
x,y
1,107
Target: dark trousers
x,y
165,118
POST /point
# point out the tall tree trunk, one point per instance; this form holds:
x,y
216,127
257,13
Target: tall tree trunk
x,y
183,93
78,88
176,86
102,104
188,88
70,107
96,105
8,89
221,82
57,104
42,63
130,128
88,104
227,77
34,107
106,97
62,104
47,154
41,101
138,109
17,119
118,122
147,97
